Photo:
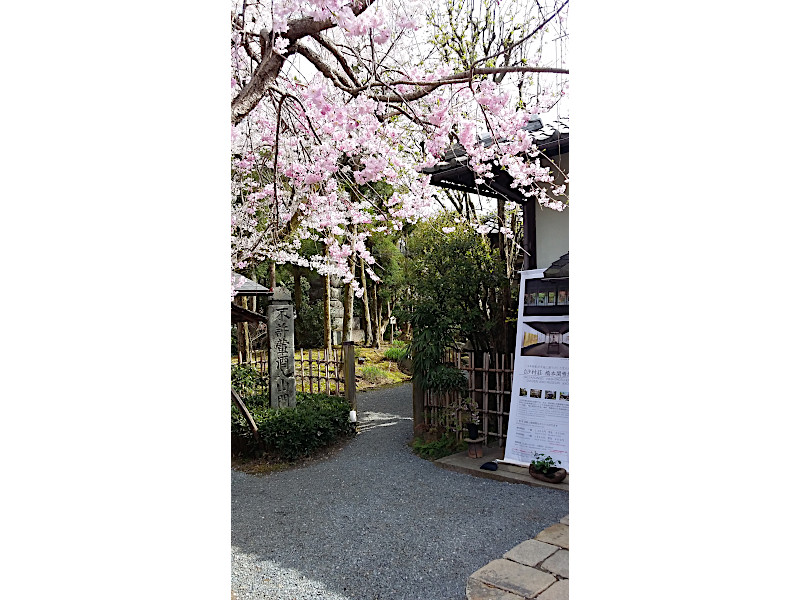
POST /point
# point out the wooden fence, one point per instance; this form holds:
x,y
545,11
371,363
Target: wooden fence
x,y
489,385
314,370
327,371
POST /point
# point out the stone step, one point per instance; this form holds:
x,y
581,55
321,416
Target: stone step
x,y
535,569
557,534
514,577
558,591
477,590
558,564
531,552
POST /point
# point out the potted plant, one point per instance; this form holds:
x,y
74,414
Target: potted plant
x,y
470,416
544,468
472,427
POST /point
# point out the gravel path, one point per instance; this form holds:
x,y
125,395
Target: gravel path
x,y
375,521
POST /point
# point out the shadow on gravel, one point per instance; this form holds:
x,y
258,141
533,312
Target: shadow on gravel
x,y
375,521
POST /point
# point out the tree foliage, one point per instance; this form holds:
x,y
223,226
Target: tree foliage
x,y
455,277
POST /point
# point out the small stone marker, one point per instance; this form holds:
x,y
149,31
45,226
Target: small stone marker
x,y
280,314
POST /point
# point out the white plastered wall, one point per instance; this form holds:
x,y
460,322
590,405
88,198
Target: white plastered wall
x,y
552,226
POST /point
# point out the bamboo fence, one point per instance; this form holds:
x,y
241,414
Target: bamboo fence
x,y
488,384
315,371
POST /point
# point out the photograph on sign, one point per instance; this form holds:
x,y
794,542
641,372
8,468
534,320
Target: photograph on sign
x,y
545,338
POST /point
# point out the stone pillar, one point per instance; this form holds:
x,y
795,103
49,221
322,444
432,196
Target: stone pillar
x,y
337,316
280,313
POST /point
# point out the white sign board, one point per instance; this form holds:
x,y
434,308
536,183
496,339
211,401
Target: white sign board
x,y
539,415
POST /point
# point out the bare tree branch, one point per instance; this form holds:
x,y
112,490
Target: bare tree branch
x,y
522,40
338,56
321,66
426,87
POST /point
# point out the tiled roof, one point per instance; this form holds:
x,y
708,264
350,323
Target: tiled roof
x,y
454,172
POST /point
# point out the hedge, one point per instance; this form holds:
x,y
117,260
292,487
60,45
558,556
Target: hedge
x,y
291,433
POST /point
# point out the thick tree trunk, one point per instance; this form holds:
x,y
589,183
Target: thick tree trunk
x,y
327,318
298,288
254,90
347,326
506,297
347,322
367,316
377,343
243,332
504,316
501,219
384,323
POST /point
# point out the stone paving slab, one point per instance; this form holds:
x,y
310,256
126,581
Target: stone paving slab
x,y
477,590
558,564
557,534
514,577
558,591
530,552
537,568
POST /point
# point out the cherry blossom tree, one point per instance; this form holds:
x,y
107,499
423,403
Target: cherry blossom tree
x,y
332,97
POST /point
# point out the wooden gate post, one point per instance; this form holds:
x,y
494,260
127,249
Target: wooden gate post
x,y
349,357
418,405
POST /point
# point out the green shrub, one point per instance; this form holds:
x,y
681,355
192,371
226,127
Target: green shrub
x,y
444,378
396,352
246,380
374,374
444,446
291,433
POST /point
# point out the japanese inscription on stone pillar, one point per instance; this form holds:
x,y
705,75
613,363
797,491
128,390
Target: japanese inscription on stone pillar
x,y
281,351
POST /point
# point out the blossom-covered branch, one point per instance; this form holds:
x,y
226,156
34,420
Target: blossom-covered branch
x,y
330,131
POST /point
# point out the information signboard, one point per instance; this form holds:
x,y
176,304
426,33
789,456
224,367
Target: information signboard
x,y
539,415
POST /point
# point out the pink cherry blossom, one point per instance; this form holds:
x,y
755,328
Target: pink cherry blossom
x,y
310,174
